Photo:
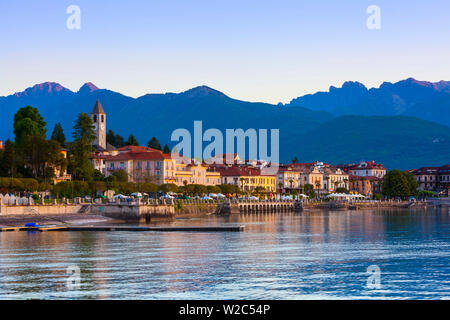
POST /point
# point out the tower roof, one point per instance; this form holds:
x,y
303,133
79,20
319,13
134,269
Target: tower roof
x,y
98,108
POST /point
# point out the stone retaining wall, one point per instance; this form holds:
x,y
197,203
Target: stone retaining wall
x,y
54,209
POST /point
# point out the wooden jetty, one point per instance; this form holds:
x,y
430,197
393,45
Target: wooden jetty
x,y
128,228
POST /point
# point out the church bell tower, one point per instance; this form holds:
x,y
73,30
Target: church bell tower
x,y
98,116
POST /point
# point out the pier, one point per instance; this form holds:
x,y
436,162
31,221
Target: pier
x,y
128,228
254,207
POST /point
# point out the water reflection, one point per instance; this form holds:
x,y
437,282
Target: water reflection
x,y
321,254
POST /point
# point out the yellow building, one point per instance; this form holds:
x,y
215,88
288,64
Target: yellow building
x,y
312,176
195,173
61,173
247,178
288,179
335,178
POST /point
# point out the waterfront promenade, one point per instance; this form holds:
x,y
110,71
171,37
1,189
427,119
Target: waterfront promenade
x,y
154,209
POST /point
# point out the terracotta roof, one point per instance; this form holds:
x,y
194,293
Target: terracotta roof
x,y
293,165
353,177
98,108
364,165
238,171
138,156
288,169
431,170
137,149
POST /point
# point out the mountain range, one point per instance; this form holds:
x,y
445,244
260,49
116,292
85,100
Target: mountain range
x,y
402,125
422,99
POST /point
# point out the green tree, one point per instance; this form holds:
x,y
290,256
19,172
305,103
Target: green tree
x,y
132,141
412,183
28,122
166,149
213,189
168,187
97,187
396,184
42,156
308,190
148,187
110,138
98,175
30,185
119,176
154,143
115,140
81,148
7,160
342,190
58,134
229,188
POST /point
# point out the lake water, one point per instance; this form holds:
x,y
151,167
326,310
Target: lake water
x,y
321,255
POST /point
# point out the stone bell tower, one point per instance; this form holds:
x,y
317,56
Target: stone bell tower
x,y
98,116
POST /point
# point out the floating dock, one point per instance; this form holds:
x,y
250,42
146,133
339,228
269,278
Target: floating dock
x,y
128,228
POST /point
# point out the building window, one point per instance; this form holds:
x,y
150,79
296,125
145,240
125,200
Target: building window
x,y
103,118
95,118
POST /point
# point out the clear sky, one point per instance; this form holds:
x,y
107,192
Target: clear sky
x,y
255,50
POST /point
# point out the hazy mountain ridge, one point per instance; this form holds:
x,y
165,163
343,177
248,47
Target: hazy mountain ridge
x,y
408,97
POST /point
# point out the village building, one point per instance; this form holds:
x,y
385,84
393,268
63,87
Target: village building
x,y
141,165
365,185
196,173
365,169
334,178
313,176
435,179
247,178
61,173
288,179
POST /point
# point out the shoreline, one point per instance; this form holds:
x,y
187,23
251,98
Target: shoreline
x,y
80,219
55,219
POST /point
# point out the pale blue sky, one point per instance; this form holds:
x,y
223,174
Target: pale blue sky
x,y
254,50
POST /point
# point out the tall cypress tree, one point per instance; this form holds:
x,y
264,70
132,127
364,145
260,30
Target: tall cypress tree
x,y
81,148
132,141
166,149
154,143
115,140
58,134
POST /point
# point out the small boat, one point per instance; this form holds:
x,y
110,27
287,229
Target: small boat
x,y
32,224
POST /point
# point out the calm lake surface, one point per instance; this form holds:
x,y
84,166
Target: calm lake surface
x,y
320,255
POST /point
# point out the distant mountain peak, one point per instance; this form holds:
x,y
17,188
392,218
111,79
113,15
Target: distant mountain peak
x,y
202,91
438,86
43,89
88,87
353,84
349,85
